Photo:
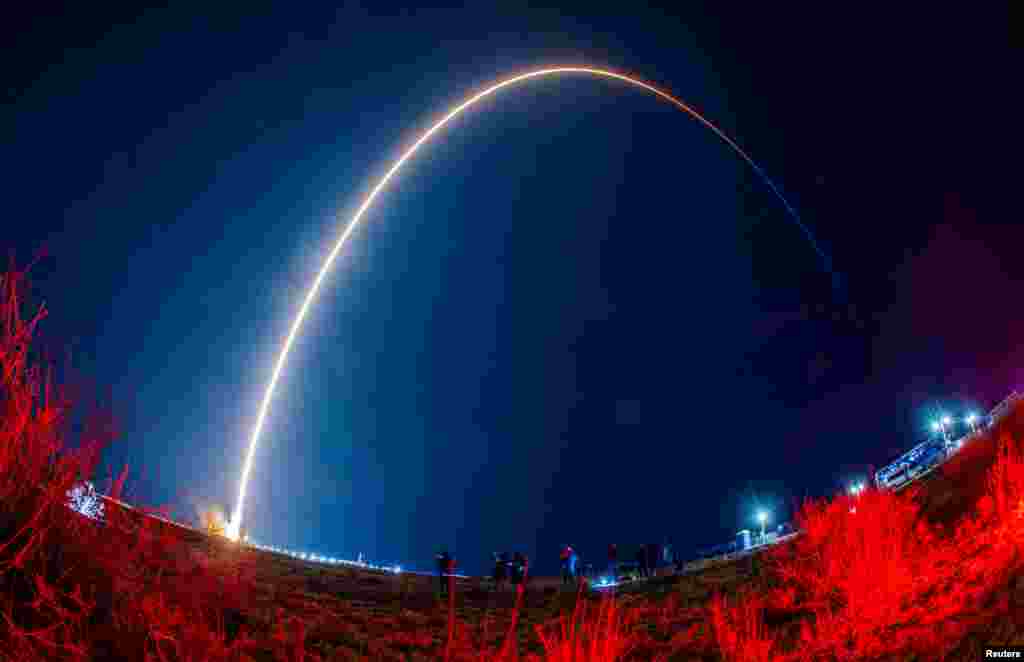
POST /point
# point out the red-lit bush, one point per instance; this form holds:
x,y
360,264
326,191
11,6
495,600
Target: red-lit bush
x,y
73,588
873,576
739,628
601,634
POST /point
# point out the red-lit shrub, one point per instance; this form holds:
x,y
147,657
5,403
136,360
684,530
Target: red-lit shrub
x,y
876,576
739,628
867,555
73,588
601,634
873,577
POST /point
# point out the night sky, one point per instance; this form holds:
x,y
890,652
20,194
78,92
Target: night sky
x,y
577,318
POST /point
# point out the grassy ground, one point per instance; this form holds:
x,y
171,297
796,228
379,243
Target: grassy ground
x,y
351,613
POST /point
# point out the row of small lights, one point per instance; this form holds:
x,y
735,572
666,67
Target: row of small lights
x,y
329,560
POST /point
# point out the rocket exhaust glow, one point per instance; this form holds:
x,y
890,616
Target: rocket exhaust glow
x,y
236,518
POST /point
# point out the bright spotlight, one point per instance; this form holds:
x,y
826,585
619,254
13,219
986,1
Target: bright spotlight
x,y
762,517
946,420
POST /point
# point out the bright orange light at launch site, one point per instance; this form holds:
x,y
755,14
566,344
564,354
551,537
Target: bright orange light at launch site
x,y
235,523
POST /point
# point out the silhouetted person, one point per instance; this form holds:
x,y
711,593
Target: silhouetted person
x,y
653,552
452,563
500,570
613,562
517,571
514,575
641,560
564,559
444,565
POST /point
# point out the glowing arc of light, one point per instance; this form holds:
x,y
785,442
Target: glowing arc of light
x,y
234,526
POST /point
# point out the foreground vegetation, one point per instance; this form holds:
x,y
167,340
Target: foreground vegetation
x,y
927,574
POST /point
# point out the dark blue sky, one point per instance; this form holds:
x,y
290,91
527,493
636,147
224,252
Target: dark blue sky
x,y
577,318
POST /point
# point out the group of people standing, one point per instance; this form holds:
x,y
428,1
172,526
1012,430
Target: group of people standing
x,y
513,568
648,558
653,556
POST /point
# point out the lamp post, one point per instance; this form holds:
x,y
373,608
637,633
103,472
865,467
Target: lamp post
x,y
762,517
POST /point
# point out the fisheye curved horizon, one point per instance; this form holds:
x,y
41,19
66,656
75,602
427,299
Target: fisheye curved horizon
x,y
235,523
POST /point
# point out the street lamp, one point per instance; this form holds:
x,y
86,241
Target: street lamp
x,y
762,517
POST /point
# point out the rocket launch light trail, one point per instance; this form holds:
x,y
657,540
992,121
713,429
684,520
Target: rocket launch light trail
x,y
234,526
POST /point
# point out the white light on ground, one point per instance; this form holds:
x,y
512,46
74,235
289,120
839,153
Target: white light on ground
x,y
83,499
